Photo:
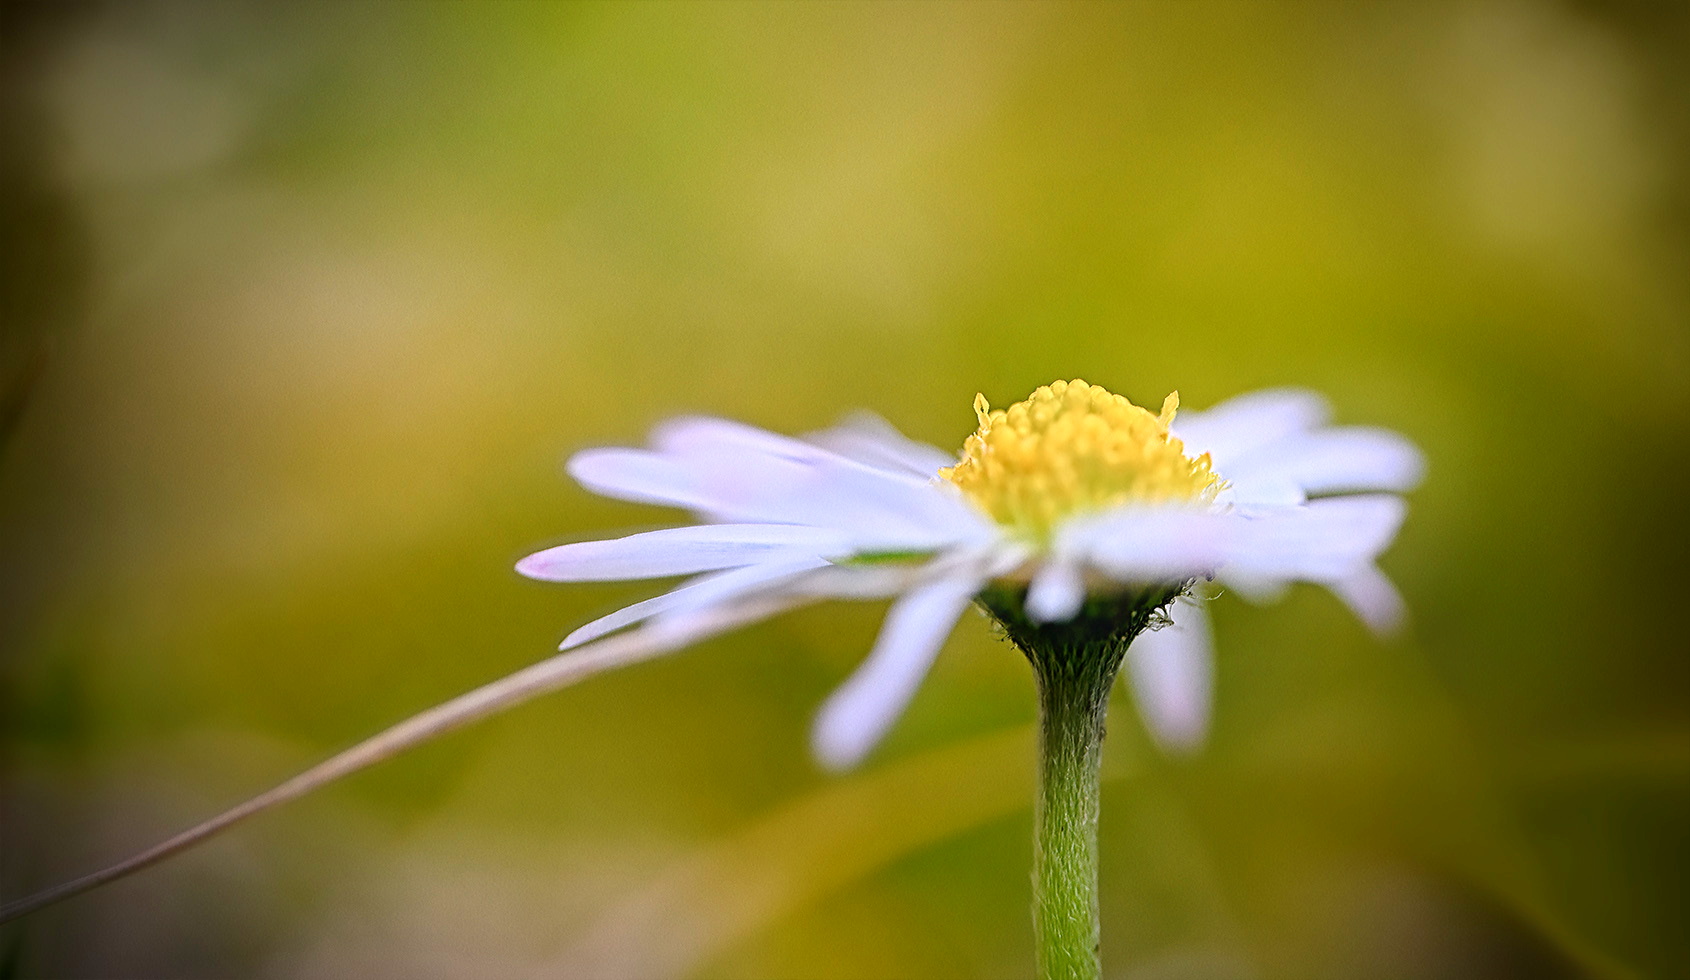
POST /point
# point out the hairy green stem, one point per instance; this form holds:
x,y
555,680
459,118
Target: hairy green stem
x,y
1075,663
1065,914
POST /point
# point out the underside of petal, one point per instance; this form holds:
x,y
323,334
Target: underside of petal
x,y
1057,592
700,593
1353,459
1171,671
1372,597
1324,541
677,551
859,713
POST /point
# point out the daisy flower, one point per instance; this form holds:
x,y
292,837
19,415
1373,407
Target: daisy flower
x,y
1072,496
1082,523
1090,529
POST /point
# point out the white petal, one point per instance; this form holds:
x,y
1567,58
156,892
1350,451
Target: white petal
x,y
707,435
677,551
864,707
729,483
1264,490
637,475
1172,676
878,512
1151,544
770,576
1324,541
705,591
1256,589
727,471
870,439
1372,597
1057,592
1331,460
732,473
696,441
877,580
880,580
1236,426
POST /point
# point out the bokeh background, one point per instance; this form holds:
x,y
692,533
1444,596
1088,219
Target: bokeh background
x,y
305,304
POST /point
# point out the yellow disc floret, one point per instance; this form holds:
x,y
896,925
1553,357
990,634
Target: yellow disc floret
x,y
1070,448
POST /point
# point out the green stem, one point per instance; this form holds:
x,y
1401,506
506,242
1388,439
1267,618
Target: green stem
x,y
1075,663
1065,915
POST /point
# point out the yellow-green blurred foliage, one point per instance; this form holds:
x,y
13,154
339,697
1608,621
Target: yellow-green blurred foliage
x,y
307,302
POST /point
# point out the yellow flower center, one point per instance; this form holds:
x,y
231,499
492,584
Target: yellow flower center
x,y
1071,448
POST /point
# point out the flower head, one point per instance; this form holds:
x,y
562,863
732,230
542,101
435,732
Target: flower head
x,y
1073,506
1071,448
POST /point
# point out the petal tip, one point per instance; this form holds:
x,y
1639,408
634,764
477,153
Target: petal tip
x,y
835,747
530,567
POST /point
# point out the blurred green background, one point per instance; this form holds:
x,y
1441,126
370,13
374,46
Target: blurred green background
x,y
304,305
